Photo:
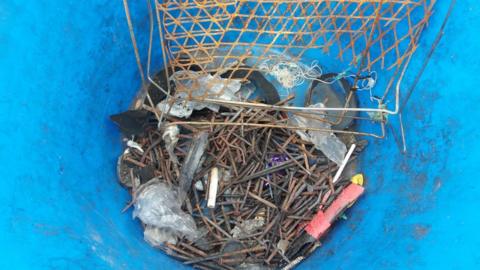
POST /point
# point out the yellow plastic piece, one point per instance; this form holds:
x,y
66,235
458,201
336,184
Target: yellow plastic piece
x,y
358,179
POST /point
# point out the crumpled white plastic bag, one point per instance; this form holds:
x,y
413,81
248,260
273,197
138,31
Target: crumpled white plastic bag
x,y
157,205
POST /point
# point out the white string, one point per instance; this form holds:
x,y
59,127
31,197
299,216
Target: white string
x,y
291,74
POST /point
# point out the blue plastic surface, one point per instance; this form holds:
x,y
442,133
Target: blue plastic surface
x,y
65,66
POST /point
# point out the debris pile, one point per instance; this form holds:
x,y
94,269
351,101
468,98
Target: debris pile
x,y
225,187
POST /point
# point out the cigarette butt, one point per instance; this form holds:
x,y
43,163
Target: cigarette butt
x,y
344,163
212,188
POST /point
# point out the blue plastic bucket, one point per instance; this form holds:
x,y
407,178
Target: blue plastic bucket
x,y
66,66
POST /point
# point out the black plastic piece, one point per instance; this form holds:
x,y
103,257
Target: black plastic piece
x,y
133,122
335,94
266,89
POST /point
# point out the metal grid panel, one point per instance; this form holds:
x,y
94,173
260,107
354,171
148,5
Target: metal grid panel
x,y
362,32
213,36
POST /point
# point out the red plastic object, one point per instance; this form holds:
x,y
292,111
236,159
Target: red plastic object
x,y
323,219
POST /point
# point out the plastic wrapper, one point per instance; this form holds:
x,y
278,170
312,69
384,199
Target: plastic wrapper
x,y
156,237
331,146
158,205
206,85
176,107
199,86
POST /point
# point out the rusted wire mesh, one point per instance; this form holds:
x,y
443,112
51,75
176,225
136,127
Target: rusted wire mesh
x,y
218,35
235,38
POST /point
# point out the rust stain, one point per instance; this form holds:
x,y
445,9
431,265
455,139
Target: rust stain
x,y
420,231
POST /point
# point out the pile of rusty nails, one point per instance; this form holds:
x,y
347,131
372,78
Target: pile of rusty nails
x,y
263,196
